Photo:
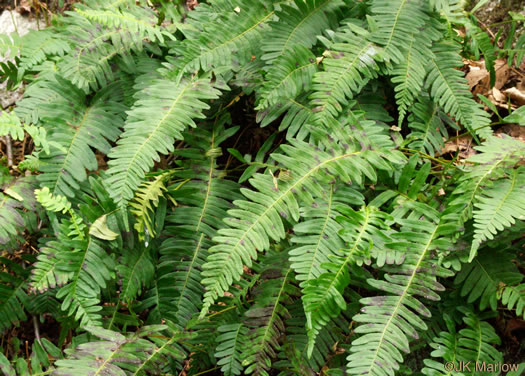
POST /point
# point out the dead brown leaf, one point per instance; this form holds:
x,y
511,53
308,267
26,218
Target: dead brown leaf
x,y
516,95
191,4
462,145
475,75
478,76
514,130
502,73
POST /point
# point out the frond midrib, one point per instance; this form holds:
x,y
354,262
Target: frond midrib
x,y
402,297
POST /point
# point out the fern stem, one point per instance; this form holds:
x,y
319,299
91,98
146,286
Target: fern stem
x,y
429,157
207,371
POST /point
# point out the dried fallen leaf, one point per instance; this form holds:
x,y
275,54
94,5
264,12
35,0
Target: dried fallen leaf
x,y
502,73
498,96
516,95
463,146
514,130
191,4
475,75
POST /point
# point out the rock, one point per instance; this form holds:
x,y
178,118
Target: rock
x,y
22,25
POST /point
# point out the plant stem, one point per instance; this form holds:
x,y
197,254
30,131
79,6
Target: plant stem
x,y
37,330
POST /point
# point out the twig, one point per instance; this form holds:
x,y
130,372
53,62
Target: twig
x,y
9,149
37,329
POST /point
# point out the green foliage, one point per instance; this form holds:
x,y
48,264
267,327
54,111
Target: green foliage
x,y
257,187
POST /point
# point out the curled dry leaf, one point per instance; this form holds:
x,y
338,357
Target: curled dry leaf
x,y
516,95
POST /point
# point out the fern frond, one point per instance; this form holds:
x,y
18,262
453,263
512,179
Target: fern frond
x,y
296,114
80,265
160,115
261,219
136,269
481,278
323,296
13,297
389,320
428,130
101,35
449,89
495,157
472,346
203,202
476,341
76,129
37,46
136,354
15,196
347,66
409,74
514,296
397,21
265,319
298,24
227,41
317,236
230,347
288,76
89,267
498,207
293,358
146,198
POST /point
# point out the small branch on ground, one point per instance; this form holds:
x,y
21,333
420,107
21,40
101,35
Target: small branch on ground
x,y
9,150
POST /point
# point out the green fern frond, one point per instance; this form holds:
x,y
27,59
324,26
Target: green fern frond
x,y
227,41
498,207
80,265
469,350
51,202
481,278
230,347
76,129
293,357
317,236
428,130
323,296
101,35
449,89
514,296
136,354
262,219
160,115
37,46
265,319
287,77
496,156
389,320
15,196
296,115
409,74
476,342
298,24
10,125
348,64
13,296
89,267
203,202
136,20
136,269
397,22
146,198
